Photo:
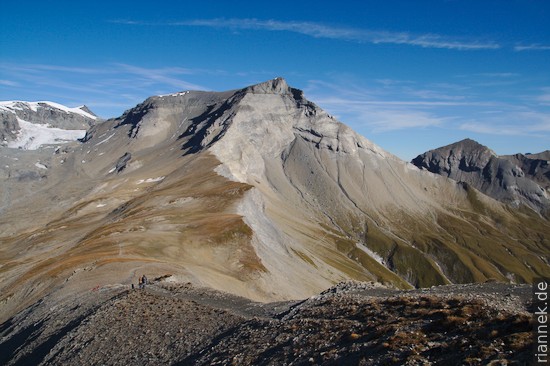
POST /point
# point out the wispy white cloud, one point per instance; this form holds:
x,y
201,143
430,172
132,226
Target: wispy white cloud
x,y
165,75
433,95
8,83
385,120
539,121
397,107
393,82
111,88
381,116
318,30
532,47
491,129
450,87
544,98
498,74
108,89
35,69
515,123
491,79
406,103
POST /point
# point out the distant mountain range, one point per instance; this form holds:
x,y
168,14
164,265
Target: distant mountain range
x,y
30,125
257,192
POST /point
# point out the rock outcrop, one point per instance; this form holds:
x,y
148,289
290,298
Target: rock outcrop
x,y
516,180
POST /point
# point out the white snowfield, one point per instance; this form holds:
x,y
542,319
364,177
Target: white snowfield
x,y
31,136
150,180
180,94
20,105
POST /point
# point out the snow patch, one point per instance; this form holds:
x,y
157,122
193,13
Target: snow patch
x,y
105,140
41,166
372,254
20,105
150,180
32,136
442,272
174,94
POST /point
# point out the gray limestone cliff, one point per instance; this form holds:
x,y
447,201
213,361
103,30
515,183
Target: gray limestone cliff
x,y
516,179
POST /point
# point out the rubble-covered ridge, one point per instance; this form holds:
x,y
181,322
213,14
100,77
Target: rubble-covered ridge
x,y
351,323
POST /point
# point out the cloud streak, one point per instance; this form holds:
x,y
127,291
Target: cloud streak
x,y
545,97
8,83
110,87
398,107
404,103
318,30
516,123
532,47
167,75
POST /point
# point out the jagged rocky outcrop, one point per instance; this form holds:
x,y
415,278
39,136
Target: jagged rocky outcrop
x,y
534,166
8,126
256,191
516,180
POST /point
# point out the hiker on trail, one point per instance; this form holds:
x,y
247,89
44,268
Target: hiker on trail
x,y
143,281
140,282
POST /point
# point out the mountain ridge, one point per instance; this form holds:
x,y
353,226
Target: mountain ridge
x,y
247,191
30,125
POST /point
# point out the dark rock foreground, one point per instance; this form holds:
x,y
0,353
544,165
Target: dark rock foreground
x,y
350,324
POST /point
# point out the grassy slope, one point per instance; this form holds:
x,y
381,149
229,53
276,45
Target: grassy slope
x,y
185,221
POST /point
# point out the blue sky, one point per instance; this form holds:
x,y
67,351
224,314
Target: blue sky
x,y
408,75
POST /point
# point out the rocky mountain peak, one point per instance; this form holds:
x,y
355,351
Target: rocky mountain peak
x,y
87,110
464,155
469,144
273,86
507,179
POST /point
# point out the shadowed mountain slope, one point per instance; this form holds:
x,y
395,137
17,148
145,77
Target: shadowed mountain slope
x,y
255,191
516,179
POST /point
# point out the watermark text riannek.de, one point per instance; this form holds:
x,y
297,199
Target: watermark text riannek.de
x,y
541,289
